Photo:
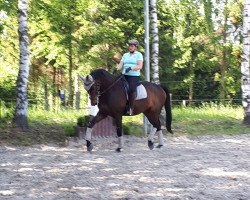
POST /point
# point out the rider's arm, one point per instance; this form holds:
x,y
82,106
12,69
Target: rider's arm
x,y
119,66
138,66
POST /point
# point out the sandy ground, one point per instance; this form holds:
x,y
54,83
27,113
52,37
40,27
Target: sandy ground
x,y
208,167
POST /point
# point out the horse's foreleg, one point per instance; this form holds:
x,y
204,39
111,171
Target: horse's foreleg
x,y
90,125
118,122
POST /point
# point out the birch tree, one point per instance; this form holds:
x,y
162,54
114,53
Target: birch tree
x,y
20,117
155,43
245,76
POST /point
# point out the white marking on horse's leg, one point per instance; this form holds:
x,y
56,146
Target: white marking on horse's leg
x,y
120,142
160,137
151,134
88,134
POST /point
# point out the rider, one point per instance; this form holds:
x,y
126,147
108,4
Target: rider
x,y
131,63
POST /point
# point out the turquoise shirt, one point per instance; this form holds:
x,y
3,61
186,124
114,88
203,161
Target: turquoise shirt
x,y
130,60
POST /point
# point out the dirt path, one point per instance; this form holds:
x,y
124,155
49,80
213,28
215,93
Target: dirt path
x,y
200,168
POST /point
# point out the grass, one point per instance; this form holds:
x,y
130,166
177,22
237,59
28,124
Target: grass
x,y
209,119
55,127
44,127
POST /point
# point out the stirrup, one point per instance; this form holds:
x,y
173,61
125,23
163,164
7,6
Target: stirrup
x,y
130,112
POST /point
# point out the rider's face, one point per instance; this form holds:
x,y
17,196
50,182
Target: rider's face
x,y
132,48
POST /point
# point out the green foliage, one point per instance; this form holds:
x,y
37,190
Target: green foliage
x,y
132,129
82,121
47,127
92,32
209,119
69,131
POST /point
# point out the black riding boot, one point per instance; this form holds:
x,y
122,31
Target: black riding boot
x,y
131,98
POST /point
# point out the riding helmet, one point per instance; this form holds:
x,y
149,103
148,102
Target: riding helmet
x,y
133,42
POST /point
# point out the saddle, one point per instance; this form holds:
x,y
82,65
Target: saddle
x,y
141,92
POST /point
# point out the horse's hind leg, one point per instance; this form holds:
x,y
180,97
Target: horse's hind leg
x,y
160,139
151,138
153,118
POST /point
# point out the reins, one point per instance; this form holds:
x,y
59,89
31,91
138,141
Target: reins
x,y
121,76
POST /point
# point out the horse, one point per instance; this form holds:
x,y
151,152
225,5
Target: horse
x,y
108,93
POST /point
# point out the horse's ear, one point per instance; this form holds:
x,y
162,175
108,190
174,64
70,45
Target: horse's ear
x,y
81,77
90,78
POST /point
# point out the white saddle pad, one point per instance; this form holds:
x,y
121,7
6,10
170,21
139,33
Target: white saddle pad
x,y
141,92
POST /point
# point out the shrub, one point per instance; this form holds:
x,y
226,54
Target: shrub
x,y
82,121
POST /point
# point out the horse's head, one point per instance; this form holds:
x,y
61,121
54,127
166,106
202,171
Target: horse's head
x,y
92,87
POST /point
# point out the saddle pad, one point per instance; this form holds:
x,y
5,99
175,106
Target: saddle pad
x,y
141,92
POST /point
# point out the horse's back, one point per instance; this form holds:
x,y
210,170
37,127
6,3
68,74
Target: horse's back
x,y
153,88
155,93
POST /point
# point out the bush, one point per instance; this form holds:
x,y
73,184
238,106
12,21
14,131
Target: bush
x,y
132,129
69,131
82,121
126,129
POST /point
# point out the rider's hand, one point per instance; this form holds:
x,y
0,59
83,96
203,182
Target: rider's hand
x,y
115,70
128,69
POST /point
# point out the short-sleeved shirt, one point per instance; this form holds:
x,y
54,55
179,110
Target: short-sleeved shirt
x,y
130,60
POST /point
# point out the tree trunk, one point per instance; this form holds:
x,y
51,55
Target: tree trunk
x,y
71,91
155,43
46,96
223,55
191,84
77,93
54,92
245,78
223,63
223,68
208,15
20,117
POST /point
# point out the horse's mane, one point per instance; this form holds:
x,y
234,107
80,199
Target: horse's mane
x,y
102,73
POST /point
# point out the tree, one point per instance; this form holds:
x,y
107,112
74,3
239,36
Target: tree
x,y
245,78
20,117
155,42
8,49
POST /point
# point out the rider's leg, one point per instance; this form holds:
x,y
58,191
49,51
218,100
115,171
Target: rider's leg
x,y
133,82
131,98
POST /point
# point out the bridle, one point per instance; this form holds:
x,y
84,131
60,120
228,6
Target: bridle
x,y
107,89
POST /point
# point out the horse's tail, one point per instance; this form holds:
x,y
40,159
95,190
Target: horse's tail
x,y
167,106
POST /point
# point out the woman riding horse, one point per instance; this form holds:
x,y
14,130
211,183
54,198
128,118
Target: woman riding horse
x,y
131,63
107,91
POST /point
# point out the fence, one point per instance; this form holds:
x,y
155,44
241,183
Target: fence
x,y
8,105
104,128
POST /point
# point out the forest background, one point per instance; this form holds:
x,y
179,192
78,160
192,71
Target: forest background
x,y
200,46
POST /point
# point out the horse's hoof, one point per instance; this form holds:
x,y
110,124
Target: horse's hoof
x,y
159,146
150,144
89,146
118,150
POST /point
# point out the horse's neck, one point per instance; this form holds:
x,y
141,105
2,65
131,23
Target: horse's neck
x,y
106,83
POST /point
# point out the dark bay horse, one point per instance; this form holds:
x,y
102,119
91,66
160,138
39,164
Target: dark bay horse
x,y
107,91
